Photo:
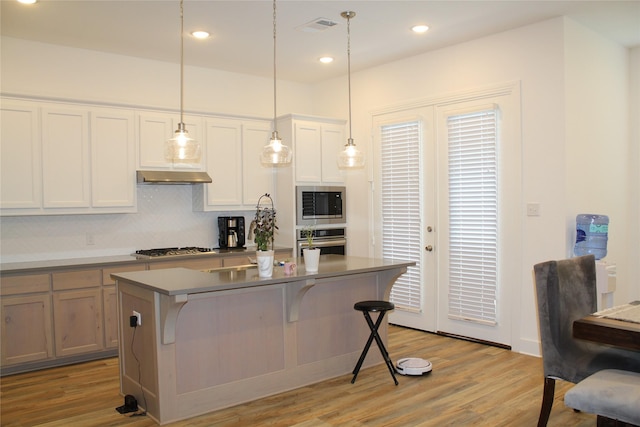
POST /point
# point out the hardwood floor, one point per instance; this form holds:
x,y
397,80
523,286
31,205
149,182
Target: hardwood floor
x,y
471,385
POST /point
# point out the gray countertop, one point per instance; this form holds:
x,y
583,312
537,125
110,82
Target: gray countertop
x,y
181,281
105,261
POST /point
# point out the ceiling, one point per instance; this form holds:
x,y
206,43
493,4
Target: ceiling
x,y
242,31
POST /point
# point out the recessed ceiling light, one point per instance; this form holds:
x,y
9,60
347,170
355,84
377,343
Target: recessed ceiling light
x,y
419,28
200,34
27,1
326,59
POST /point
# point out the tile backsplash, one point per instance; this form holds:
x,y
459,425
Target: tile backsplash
x,y
165,219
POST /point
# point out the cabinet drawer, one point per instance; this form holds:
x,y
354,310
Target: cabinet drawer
x,y
76,279
107,272
26,284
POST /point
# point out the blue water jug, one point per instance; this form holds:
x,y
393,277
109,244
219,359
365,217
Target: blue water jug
x,y
592,233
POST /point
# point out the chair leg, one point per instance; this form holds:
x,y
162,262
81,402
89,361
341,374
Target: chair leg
x,y
547,401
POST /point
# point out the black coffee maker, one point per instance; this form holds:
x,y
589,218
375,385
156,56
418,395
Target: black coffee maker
x,y
231,232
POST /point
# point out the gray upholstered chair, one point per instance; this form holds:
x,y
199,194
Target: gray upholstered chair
x,y
611,394
566,291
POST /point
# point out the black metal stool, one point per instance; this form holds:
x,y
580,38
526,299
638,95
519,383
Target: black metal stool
x,y
381,307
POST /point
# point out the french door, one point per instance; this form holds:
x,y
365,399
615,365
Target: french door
x,y
447,196
405,214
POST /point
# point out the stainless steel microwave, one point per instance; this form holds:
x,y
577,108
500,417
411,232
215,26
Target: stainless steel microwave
x,y
320,205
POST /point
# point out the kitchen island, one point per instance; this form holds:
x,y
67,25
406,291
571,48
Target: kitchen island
x,y
217,338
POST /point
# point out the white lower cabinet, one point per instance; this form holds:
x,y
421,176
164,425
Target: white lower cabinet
x,y
233,149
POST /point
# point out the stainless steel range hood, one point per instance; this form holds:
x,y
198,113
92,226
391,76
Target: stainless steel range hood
x,y
172,177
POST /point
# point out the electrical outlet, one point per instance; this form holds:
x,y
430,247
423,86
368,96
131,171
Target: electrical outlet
x,y
138,316
533,209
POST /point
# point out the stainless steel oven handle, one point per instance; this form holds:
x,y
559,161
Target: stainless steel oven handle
x,y
323,243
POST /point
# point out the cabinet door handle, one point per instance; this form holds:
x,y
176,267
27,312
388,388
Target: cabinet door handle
x,y
428,248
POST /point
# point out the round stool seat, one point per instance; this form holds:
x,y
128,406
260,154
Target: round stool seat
x,y
373,306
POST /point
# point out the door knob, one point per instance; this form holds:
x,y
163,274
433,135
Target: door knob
x,y
429,248
429,229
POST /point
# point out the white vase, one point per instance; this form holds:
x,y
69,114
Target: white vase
x,y
265,263
311,259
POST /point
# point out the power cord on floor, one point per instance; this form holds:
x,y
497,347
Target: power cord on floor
x,y
130,402
144,399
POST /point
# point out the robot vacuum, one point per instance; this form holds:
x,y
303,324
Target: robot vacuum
x,y
413,366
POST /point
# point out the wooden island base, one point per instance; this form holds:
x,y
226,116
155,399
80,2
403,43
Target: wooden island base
x,y
208,349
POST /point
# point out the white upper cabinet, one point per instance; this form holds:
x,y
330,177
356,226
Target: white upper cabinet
x,y
20,154
257,179
316,143
333,140
154,129
63,158
232,152
308,151
113,159
223,150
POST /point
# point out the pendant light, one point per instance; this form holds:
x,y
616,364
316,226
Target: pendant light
x,y
350,157
275,153
182,148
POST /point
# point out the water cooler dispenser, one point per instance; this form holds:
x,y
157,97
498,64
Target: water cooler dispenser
x,y
592,234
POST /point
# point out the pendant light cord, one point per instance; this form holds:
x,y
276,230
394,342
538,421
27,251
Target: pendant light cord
x,y
274,64
349,70
181,61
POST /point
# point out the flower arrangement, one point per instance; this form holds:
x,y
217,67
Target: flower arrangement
x,y
263,226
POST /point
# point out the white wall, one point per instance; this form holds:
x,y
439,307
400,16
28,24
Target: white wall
x,y
597,142
542,57
45,70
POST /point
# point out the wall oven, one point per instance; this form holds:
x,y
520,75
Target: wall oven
x,y
328,240
320,205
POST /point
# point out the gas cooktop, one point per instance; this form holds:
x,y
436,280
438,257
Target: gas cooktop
x,y
169,252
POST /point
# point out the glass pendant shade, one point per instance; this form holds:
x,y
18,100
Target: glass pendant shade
x,y
350,157
182,148
275,152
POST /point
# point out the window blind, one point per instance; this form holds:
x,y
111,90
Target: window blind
x,y
473,216
400,169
